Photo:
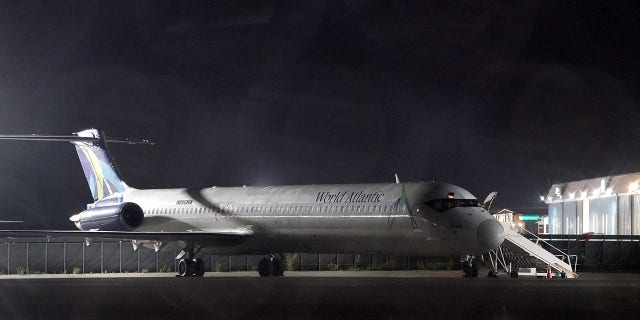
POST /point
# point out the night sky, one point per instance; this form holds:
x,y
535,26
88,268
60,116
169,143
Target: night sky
x,y
483,94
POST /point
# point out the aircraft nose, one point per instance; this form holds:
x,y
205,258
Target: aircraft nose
x,y
490,234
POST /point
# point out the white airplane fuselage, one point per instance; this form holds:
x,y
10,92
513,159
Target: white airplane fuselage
x,y
350,218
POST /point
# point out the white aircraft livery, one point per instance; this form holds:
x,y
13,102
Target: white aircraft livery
x,y
429,219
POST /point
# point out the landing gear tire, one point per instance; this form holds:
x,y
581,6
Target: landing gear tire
x,y
271,267
474,268
470,269
199,267
191,268
278,268
185,268
263,267
513,274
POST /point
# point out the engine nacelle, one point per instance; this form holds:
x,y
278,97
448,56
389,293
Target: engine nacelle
x,y
121,217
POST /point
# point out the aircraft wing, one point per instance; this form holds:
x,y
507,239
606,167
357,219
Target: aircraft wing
x,y
188,236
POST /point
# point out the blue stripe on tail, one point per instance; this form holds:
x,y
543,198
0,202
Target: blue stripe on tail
x,y
98,165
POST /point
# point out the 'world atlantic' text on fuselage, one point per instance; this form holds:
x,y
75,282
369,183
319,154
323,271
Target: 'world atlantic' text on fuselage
x,y
346,197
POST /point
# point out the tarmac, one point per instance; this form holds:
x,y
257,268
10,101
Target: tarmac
x,y
319,295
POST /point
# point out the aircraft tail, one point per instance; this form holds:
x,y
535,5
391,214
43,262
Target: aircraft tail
x,y
98,165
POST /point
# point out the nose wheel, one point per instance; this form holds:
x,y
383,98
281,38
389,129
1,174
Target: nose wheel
x,y
469,266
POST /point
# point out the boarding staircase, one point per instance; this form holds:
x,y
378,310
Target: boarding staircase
x,y
519,252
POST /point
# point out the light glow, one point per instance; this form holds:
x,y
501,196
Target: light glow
x,y
633,186
609,192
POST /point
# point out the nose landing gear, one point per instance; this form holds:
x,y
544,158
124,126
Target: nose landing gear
x,y
469,266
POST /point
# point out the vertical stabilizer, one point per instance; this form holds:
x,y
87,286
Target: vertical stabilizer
x,y
98,165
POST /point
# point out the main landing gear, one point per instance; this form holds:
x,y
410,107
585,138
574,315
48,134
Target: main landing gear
x,y
188,266
271,266
191,267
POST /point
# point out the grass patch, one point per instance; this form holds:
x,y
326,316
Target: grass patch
x,y
165,268
21,270
219,267
292,262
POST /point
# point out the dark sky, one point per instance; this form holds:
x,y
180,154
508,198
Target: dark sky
x,y
483,94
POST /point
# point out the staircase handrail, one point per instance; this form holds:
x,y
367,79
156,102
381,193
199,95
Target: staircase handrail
x,y
562,253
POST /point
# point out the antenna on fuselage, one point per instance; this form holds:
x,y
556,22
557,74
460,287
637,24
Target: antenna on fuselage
x,y
397,178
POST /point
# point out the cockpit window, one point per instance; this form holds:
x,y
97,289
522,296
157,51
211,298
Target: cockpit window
x,y
442,205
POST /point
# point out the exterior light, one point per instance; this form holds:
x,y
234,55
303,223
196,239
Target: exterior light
x,y
549,199
541,198
572,195
583,194
609,191
633,186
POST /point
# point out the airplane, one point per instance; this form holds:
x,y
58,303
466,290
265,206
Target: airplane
x,y
424,218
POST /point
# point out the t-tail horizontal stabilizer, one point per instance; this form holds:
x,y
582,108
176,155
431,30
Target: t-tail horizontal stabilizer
x,y
72,138
98,165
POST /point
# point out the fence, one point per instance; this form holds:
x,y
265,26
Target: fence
x,y
595,253
41,256
600,252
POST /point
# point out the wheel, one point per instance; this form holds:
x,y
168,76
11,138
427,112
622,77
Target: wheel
x,y
514,274
492,274
263,267
278,267
466,270
474,269
185,268
199,267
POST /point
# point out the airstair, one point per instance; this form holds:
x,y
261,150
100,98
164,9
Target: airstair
x,y
519,253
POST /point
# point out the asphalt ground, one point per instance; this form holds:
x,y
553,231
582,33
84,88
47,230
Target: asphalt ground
x,y
319,295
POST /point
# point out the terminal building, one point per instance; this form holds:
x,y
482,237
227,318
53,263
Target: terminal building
x,y
605,205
